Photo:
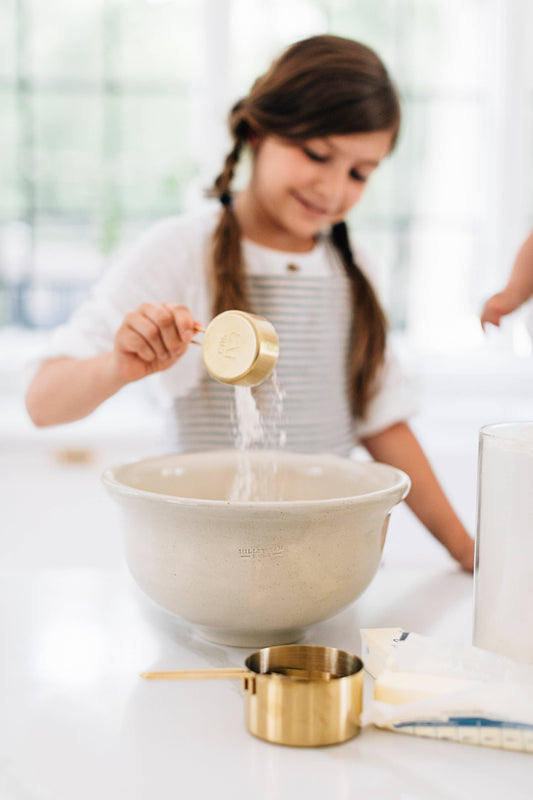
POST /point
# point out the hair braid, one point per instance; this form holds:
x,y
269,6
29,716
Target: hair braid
x,y
230,289
369,326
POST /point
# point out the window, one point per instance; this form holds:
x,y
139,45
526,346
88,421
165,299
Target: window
x,y
115,116
96,140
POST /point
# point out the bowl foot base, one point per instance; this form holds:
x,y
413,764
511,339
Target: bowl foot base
x,y
257,639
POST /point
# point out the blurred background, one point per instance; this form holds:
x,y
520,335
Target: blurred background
x,y
113,115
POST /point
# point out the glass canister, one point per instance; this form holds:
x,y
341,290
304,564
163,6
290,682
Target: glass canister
x,y
503,575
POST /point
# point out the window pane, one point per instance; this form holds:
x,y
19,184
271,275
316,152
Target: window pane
x,y
68,153
445,44
67,261
156,41
66,254
123,121
439,310
417,37
8,38
445,153
11,197
154,166
528,166
65,39
258,31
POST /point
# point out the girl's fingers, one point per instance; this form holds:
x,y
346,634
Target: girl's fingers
x,y
492,312
167,335
184,321
131,341
141,322
160,331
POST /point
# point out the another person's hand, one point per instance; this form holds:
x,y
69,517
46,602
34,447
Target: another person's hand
x,y
498,306
151,339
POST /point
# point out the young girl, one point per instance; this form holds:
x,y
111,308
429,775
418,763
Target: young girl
x,y
317,124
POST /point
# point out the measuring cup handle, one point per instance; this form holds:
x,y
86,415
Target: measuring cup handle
x,y
230,673
195,341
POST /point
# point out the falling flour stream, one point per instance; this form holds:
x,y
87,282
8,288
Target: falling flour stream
x,y
252,432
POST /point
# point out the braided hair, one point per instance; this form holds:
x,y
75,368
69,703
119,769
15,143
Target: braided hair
x,y
322,86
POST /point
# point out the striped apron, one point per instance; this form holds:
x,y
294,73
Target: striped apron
x,y
312,316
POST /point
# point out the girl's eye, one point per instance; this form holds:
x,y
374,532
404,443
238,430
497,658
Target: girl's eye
x,y
357,176
322,159
314,156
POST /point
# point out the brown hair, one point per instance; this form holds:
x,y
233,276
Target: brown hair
x,y
322,86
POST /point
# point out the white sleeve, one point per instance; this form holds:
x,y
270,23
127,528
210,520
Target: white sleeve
x,y
394,401
141,275
165,265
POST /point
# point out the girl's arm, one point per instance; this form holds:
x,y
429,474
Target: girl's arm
x,y
151,339
399,447
66,389
519,287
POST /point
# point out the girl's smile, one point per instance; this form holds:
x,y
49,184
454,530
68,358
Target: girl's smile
x,y
296,190
310,207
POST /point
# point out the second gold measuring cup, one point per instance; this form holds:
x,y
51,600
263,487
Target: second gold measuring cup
x,y
240,348
298,695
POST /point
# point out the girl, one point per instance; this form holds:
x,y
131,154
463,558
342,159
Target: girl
x,y
317,124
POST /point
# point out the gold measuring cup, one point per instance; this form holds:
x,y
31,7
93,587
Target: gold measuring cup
x,y
298,695
240,348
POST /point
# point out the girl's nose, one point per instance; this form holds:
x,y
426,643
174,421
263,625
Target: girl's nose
x,y
333,184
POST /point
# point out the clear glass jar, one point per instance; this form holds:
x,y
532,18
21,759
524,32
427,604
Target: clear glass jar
x,y
503,575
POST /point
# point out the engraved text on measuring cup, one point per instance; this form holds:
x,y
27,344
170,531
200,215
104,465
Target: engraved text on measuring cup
x,y
228,344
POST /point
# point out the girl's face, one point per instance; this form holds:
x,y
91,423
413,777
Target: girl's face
x,y
298,190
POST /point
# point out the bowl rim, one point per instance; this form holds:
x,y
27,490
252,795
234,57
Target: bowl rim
x,y
402,484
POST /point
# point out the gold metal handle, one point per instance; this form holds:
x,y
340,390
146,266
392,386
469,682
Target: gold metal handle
x,y
197,330
230,673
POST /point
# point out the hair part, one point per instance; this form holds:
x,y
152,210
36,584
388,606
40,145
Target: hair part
x,y
322,86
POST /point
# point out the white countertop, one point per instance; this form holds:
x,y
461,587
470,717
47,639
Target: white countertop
x,y
78,723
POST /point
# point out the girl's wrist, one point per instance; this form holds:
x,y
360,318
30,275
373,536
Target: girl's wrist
x,y
460,544
112,376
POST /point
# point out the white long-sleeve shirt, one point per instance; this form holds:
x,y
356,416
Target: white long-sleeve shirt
x,y
307,298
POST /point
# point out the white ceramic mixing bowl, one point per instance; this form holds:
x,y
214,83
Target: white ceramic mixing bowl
x,y
254,574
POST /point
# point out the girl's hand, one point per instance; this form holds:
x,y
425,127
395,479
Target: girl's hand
x,y
497,307
151,339
465,555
